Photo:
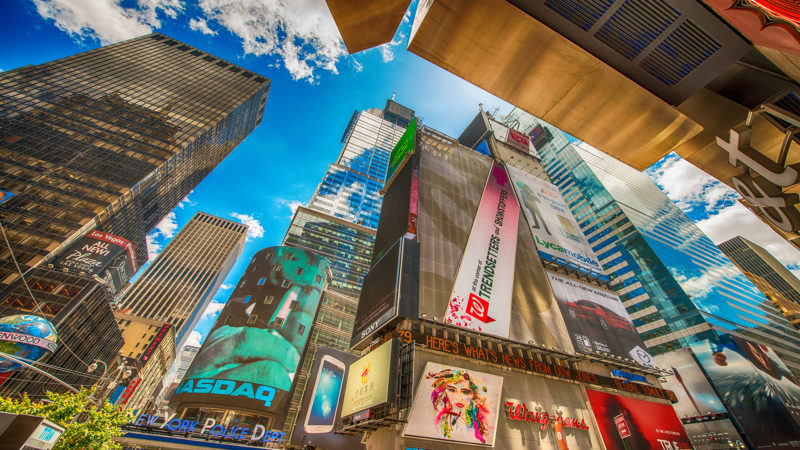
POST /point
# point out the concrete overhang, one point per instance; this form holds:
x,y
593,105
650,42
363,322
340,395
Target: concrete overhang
x,y
365,24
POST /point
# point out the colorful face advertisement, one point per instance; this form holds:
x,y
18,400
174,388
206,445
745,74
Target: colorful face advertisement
x,y
630,424
456,405
759,390
370,380
251,355
597,320
554,229
481,297
322,404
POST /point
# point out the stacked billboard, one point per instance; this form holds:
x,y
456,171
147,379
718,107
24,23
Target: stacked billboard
x,y
108,257
249,358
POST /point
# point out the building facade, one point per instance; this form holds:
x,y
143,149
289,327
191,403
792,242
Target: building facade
x,y
112,139
676,284
179,284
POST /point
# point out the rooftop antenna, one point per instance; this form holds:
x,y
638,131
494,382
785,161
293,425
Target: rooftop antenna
x,y
393,94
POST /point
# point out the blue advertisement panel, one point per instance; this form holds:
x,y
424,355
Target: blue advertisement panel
x,y
251,355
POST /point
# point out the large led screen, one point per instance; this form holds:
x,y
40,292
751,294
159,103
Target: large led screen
x,y
320,410
250,357
370,380
631,424
759,390
597,320
456,404
558,236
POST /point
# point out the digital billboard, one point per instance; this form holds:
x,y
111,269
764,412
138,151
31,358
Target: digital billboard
x,y
404,147
481,296
456,404
320,410
627,423
759,390
695,395
597,320
558,236
251,354
109,257
370,380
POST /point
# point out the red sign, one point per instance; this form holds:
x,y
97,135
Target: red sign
x,y
148,352
622,426
518,140
126,395
118,241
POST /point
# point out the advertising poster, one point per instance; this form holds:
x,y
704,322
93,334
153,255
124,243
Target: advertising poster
x,y
370,380
400,152
456,404
760,392
481,297
558,236
250,357
695,395
631,424
107,256
597,320
320,409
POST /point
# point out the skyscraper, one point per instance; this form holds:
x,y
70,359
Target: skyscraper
x,y
676,284
767,273
112,139
179,284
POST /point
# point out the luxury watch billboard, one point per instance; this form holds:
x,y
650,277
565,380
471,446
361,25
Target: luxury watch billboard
x,y
370,380
320,410
109,257
631,424
558,236
456,404
251,355
757,387
481,297
597,321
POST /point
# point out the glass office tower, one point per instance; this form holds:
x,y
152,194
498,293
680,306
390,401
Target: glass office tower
x,y
676,284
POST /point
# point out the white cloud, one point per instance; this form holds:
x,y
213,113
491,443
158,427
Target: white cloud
x,y
168,225
107,20
302,33
153,248
387,49
689,186
291,204
254,228
202,26
186,201
195,339
225,287
212,310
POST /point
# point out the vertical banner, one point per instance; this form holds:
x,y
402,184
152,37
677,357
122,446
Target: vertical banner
x,y
413,204
481,297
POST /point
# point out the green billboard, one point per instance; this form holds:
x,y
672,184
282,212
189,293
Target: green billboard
x,y
403,148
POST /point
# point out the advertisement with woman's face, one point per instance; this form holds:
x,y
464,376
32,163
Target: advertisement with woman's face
x,y
455,404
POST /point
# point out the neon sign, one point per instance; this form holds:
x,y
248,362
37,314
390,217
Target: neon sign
x,y
520,412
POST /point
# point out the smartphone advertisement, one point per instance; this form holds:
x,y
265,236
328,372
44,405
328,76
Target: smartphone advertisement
x,y
322,403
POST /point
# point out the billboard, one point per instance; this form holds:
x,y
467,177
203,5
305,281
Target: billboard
x,y
597,321
251,355
456,404
320,409
481,296
696,397
154,343
761,394
110,258
370,380
631,424
513,138
389,291
404,147
558,236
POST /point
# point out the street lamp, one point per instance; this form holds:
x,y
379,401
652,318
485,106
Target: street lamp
x,y
105,381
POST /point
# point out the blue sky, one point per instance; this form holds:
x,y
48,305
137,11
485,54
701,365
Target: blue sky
x,y
316,86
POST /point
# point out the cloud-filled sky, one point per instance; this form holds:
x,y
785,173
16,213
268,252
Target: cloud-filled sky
x,y
316,86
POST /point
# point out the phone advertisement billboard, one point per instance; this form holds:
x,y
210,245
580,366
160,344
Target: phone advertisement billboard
x,y
320,410
481,296
558,236
370,380
757,387
251,355
627,423
456,404
597,320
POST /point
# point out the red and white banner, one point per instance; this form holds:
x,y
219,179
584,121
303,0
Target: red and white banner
x,y
481,297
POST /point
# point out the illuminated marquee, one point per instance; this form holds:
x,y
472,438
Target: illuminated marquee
x,y
228,387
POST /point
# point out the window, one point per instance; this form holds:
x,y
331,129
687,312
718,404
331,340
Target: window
x,y
247,299
306,289
252,318
277,268
299,271
301,329
317,278
261,281
269,299
286,283
295,305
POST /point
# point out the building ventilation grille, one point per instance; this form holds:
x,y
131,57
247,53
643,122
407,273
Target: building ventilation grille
x,y
680,53
583,13
635,25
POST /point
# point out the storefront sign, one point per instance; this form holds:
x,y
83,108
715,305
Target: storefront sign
x,y
209,426
533,365
518,411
